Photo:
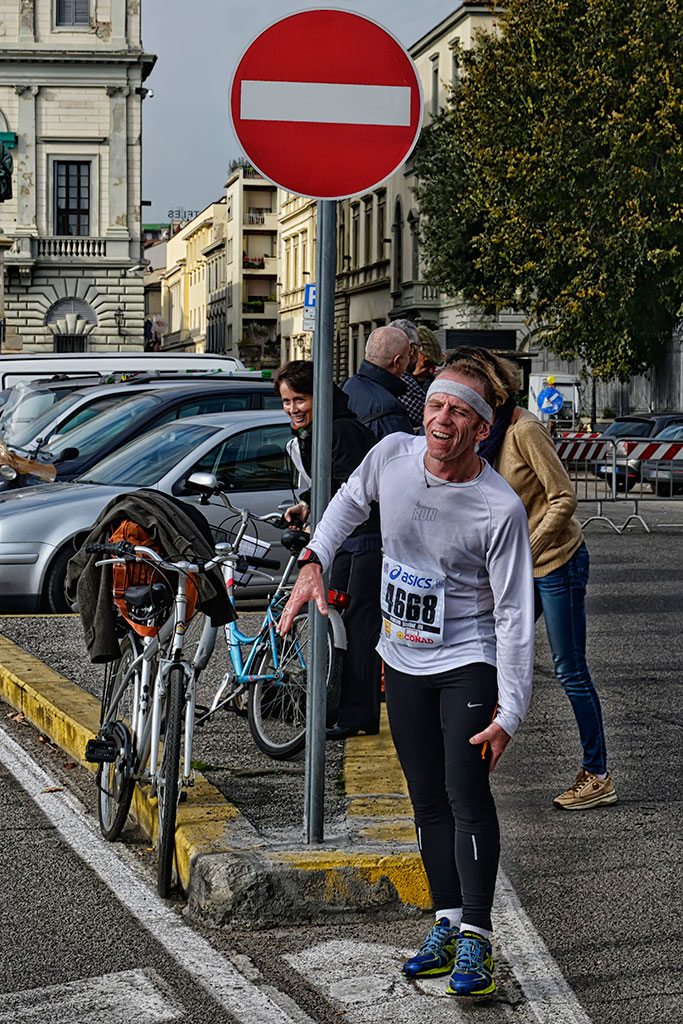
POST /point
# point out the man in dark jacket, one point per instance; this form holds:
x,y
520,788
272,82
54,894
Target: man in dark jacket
x,y
374,391
356,570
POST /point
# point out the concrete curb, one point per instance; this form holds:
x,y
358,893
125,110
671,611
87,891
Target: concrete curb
x,y
229,873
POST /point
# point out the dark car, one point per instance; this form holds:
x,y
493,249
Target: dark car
x,y
75,452
632,428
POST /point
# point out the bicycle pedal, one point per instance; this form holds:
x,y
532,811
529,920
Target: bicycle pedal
x,y
101,750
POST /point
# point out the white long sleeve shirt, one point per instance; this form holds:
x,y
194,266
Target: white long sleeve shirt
x,y
472,539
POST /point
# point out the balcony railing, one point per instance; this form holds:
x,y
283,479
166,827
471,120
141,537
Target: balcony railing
x,y
253,262
71,245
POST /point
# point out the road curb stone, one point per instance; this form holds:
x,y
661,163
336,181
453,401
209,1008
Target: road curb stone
x,y
231,875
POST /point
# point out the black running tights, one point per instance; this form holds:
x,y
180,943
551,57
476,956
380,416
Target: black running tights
x,y
432,718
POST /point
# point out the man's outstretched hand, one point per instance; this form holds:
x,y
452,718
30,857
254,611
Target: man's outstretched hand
x,y
498,739
308,587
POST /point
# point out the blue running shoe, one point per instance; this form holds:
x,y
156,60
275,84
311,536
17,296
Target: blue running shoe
x,y
473,968
436,954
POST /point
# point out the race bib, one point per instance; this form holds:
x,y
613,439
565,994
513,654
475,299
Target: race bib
x,y
412,605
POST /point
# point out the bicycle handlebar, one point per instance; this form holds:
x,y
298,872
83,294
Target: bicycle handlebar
x,y
126,551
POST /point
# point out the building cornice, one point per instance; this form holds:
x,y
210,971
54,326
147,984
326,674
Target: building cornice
x,y
36,58
466,9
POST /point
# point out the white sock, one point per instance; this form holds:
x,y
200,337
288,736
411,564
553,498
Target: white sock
x,y
484,932
454,915
601,775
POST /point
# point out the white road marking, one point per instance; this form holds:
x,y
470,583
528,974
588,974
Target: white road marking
x,y
550,998
325,103
127,997
363,979
197,957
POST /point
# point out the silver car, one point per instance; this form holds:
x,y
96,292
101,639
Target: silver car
x,y
41,526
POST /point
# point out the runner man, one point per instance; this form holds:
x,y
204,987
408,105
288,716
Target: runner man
x,y
457,599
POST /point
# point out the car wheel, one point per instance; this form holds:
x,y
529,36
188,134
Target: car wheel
x,y
54,591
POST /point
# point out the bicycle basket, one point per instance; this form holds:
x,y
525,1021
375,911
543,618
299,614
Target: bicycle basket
x,y
141,601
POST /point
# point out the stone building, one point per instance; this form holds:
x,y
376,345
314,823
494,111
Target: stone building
x,y
71,90
251,232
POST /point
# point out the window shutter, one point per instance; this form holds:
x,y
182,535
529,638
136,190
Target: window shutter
x,y
81,12
64,12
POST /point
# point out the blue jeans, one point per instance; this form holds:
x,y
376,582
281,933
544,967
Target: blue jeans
x,y
562,598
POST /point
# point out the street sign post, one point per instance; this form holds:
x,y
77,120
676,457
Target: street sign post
x,y
326,104
309,307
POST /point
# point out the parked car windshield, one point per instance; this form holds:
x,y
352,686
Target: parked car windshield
x,y
672,433
629,428
147,459
35,413
99,431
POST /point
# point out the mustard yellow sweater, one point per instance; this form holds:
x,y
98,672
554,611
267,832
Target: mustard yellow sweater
x,y
529,462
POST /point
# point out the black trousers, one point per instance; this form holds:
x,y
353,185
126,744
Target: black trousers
x,y
432,718
358,574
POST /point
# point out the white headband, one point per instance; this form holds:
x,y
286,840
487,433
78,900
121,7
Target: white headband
x,y
458,390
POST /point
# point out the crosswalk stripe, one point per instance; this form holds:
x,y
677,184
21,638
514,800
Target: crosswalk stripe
x,y
126,997
217,975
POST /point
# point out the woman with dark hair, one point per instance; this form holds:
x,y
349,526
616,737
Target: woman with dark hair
x,y
521,450
356,570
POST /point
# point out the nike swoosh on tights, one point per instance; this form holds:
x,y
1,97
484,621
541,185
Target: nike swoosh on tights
x,y
474,705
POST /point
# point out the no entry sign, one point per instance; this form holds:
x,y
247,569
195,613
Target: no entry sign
x,y
326,103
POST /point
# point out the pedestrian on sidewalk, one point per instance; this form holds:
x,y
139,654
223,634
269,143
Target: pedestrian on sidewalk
x,y
430,357
413,398
522,451
374,391
357,566
457,642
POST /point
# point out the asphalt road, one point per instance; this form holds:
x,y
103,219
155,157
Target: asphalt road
x,y
602,888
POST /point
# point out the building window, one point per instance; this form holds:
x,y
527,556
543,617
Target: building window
x,y
355,235
398,246
455,69
304,252
70,343
435,86
381,224
229,338
367,231
73,12
72,197
228,208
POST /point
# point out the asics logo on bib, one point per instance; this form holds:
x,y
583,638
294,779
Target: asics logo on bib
x,y
410,578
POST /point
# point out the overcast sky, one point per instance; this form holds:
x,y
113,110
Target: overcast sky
x,y
187,139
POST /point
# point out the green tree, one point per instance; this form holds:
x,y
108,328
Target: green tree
x,y
553,183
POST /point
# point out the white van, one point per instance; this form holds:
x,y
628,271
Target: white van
x,y
31,367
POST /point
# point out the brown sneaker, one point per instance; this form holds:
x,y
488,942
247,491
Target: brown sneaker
x,y
587,791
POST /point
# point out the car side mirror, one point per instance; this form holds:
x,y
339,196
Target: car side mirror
x,y
68,454
204,484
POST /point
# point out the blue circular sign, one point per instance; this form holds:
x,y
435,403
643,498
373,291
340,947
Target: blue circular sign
x,y
550,401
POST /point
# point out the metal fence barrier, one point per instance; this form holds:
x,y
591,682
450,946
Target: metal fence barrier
x,y
623,469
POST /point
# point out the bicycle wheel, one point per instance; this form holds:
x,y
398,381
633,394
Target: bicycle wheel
x,y
169,770
115,779
277,708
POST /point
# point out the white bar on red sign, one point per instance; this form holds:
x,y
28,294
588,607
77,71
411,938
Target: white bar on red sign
x,y
325,103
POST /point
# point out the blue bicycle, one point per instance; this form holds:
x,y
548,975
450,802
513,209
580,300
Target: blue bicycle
x,y
267,674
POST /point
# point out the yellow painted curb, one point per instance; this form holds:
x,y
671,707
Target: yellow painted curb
x,y
70,717
379,806
404,871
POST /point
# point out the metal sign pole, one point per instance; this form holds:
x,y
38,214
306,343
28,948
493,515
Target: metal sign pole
x,y
323,343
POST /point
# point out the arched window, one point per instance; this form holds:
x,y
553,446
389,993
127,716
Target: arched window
x,y
65,306
397,229
71,321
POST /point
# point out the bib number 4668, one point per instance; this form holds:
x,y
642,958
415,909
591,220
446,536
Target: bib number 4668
x,y
410,607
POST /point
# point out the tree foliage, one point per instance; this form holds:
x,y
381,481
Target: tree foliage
x,y
553,183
